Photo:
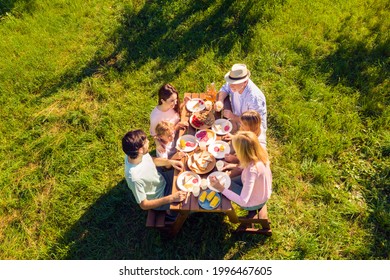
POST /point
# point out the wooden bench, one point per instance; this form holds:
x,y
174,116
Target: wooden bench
x,y
155,219
247,224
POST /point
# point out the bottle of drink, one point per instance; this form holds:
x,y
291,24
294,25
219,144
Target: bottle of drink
x,y
211,93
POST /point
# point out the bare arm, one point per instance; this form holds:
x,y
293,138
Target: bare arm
x,y
177,164
154,203
222,95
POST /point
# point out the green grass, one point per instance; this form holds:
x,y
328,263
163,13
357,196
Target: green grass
x,y
74,78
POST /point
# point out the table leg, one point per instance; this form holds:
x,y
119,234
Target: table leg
x,y
176,226
232,216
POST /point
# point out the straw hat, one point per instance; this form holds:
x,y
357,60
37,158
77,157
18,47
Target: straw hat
x,y
238,74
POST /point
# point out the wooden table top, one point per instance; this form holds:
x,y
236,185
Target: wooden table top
x,y
191,204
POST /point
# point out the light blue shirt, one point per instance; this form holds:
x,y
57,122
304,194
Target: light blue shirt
x,y
144,180
252,98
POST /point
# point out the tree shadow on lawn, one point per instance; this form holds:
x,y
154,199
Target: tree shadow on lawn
x,y
114,228
362,65
152,34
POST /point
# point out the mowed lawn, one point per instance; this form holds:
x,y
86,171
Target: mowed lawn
x,y
75,76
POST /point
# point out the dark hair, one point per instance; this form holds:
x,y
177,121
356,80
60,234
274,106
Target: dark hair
x,y
165,92
132,142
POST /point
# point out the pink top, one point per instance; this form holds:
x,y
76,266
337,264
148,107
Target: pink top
x,y
257,186
156,116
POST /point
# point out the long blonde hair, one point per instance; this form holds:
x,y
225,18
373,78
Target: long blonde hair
x,y
248,148
252,120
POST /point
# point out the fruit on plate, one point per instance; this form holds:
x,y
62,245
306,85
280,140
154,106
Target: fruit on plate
x,y
219,128
197,104
211,195
183,144
203,196
189,181
215,201
202,118
219,148
205,135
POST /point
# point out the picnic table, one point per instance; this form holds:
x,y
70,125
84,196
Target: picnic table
x,y
191,205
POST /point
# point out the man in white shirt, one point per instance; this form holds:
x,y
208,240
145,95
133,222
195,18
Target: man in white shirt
x,y
243,95
151,189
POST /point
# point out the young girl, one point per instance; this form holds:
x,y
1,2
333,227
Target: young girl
x,y
249,121
165,134
253,188
168,109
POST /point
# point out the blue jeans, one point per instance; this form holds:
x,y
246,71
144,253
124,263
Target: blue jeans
x,y
236,187
168,176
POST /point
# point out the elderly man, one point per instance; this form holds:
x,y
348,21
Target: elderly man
x,y
151,189
243,95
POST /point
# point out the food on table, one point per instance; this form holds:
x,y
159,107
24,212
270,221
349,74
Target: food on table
x,y
215,201
195,104
184,144
201,161
219,148
189,181
205,135
203,196
211,195
221,129
203,118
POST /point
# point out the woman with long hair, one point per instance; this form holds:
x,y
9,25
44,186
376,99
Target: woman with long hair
x,y
253,187
168,109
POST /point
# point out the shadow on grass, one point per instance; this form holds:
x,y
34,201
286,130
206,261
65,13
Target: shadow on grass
x,y
363,65
162,31
114,228
16,7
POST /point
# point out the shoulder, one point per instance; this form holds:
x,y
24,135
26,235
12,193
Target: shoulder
x,y
258,167
254,90
225,88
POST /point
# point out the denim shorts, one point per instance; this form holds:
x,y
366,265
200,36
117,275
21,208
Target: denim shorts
x,y
168,176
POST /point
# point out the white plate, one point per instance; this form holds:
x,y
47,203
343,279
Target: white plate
x,y
187,138
198,127
219,155
223,123
198,103
180,179
220,176
203,131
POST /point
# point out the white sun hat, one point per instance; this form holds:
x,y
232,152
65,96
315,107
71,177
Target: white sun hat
x,y
238,74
